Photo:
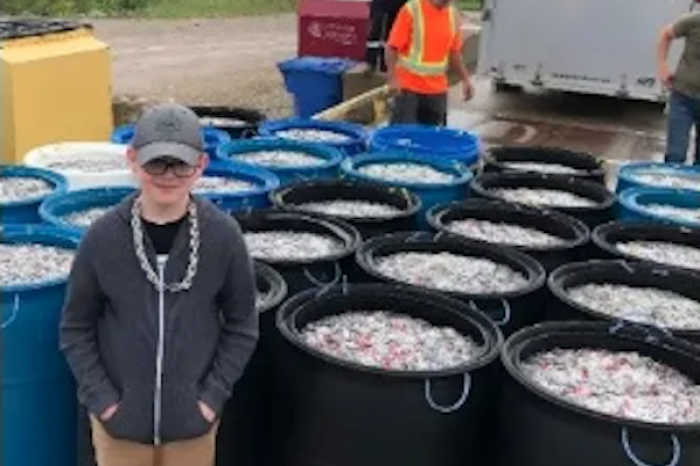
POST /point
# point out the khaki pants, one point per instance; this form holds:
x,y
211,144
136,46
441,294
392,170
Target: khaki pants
x,y
113,452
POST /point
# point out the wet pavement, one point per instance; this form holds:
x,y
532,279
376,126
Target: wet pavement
x,y
612,129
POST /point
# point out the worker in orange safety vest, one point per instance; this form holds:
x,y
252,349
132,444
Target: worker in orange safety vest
x,y
424,44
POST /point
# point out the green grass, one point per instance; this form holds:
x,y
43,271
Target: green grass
x,y
216,8
164,8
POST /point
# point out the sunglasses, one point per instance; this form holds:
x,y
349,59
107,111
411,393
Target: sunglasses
x,y
160,166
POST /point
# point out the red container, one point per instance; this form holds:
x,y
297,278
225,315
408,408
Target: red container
x,y
333,28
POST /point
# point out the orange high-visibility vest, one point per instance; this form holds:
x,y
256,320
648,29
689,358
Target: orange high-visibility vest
x,y
415,59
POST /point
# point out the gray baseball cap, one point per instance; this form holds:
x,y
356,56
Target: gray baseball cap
x,y
168,130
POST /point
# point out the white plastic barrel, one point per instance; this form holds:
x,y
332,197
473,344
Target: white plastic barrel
x,y
84,164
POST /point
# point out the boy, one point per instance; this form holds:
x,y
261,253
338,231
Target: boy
x,y
159,319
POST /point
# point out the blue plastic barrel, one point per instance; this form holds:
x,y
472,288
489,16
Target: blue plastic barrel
x,y
630,176
27,210
427,141
263,182
635,203
54,210
38,391
213,137
315,82
328,166
355,135
430,194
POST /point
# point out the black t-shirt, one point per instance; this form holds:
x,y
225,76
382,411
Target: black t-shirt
x,y
163,235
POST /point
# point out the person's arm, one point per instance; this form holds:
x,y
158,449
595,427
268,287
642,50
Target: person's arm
x,y
663,46
239,334
83,305
456,63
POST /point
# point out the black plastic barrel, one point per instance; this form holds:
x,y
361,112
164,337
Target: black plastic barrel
x,y
292,198
247,433
618,272
540,429
510,310
240,123
605,201
316,272
347,414
573,233
607,237
586,165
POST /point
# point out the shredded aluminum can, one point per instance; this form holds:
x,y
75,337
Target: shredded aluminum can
x,y
313,135
222,185
625,385
390,341
503,233
666,180
281,159
85,218
17,189
449,272
29,264
291,245
548,168
646,305
351,209
543,197
680,213
675,255
406,173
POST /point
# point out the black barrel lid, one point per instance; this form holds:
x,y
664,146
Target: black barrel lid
x,y
36,27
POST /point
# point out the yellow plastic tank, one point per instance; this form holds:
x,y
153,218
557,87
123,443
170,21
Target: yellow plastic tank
x,y
55,86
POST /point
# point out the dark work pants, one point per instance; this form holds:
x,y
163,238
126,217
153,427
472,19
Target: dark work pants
x,y
426,109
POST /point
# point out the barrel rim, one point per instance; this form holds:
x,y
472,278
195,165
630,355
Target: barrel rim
x,y
535,272
601,234
269,180
608,198
580,229
234,149
543,330
272,276
645,269
33,157
356,132
491,158
414,202
350,235
58,182
462,175
488,330
627,172
381,139
49,236
47,209
630,199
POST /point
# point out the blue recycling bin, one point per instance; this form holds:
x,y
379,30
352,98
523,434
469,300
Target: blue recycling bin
x,y
315,82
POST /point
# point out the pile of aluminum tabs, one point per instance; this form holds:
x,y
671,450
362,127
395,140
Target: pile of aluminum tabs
x,y
313,135
30,264
390,341
406,172
280,159
17,189
503,233
626,385
291,245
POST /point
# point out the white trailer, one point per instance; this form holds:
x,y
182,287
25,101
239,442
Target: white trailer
x,y
604,47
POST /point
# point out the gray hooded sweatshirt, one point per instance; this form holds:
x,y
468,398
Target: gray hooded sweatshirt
x,y
157,354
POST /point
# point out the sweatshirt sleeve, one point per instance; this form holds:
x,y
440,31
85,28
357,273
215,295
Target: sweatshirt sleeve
x,y
239,333
83,305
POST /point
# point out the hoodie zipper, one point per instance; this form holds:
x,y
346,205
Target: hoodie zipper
x,y
157,400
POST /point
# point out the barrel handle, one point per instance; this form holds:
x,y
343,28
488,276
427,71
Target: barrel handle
x,y
414,237
15,312
318,283
635,459
462,399
507,312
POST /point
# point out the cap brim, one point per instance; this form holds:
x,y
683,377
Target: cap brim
x,y
157,150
